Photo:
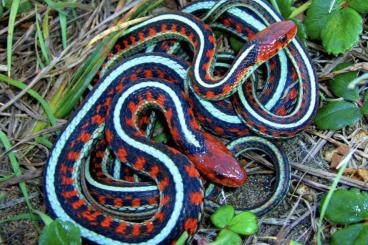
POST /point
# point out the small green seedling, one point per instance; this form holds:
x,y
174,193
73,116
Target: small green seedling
x,y
349,208
231,225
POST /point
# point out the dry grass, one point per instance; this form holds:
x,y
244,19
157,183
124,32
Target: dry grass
x,y
49,74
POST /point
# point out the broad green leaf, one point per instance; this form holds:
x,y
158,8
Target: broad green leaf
x,y
317,16
226,237
339,84
302,33
60,233
364,109
352,235
341,31
223,216
244,223
359,5
337,114
285,7
347,206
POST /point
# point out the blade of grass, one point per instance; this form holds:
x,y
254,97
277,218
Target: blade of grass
x,y
5,178
41,40
34,94
20,217
11,23
63,27
16,169
45,24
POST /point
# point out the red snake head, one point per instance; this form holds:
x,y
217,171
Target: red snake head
x,y
275,37
218,164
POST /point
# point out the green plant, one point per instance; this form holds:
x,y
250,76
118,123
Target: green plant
x,y
344,111
337,23
348,208
231,225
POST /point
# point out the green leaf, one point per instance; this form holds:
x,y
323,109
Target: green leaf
x,y
226,237
352,235
302,33
347,206
339,84
341,31
244,223
60,232
223,216
359,5
317,16
285,7
337,114
364,109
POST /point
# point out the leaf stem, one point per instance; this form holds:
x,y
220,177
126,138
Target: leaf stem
x,y
275,5
343,164
300,9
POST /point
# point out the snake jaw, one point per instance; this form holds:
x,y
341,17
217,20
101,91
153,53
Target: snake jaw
x,y
274,38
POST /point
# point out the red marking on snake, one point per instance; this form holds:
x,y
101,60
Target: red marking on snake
x,y
122,154
192,171
149,226
163,28
152,31
97,119
164,183
107,221
136,202
196,198
73,155
84,136
139,163
160,216
191,225
78,204
121,228
66,180
69,194
136,230
141,36
173,28
154,171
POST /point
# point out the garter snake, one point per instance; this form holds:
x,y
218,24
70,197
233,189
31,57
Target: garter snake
x,y
180,189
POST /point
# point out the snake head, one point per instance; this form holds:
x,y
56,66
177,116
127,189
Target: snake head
x,y
274,38
218,164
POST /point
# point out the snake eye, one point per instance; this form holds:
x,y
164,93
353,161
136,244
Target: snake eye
x,y
283,39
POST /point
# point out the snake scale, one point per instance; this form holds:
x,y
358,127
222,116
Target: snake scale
x,y
91,175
